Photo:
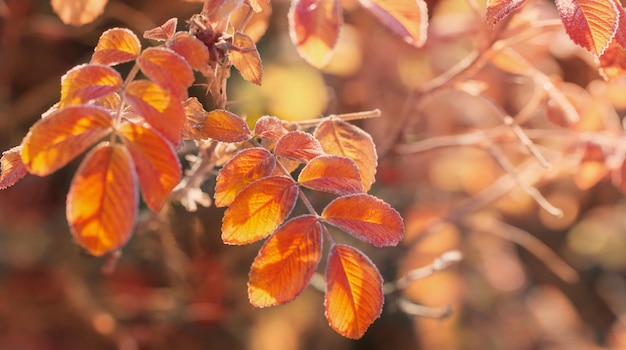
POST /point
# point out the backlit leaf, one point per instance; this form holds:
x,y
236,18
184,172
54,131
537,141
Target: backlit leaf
x,y
166,68
259,209
78,12
314,29
406,18
246,58
58,138
589,23
102,201
156,163
269,128
216,10
246,166
366,218
12,168
613,61
498,9
286,262
193,50
222,125
298,145
195,114
343,139
87,82
116,45
162,32
620,33
161,110
334,174
354,291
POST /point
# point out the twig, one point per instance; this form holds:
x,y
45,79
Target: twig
x,y
415,309
444,261
375,113
473,138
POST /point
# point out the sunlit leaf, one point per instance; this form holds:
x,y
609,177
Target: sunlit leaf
x,y
55,140
222,125
354,295
246,58
258,5
216,10
613,61
161,110
166,68
156,163
589,23
259,209
343,139
162,32
78,12
12,168
314,28
257,24
109,102
246,166
334,174
269,127
102,201
406,18
195,115
116,45
620,33
286,262
366,218
298,145
498,9
193,50
87,82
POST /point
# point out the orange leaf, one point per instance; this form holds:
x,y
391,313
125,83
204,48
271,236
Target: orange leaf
x,y
258,5
592,167
102,201
162,32
613,61
498,9
87,82
193,50
117,45
314,28
156,163
298,145
269,127
160,109
354,291
12,168
217,10
222,125
343,139
246,58
259,209
246,166
334,174
589,23
286,262
620,33
168,69
406,18
58,138
78,12
366,218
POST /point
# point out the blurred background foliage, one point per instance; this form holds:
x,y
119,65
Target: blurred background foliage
x,y
528,279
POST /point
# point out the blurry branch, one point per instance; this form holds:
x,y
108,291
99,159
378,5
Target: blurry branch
x,y
444,261
375,113
474,138
415,309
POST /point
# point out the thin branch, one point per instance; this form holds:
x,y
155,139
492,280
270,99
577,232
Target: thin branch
x,y
444,261
415,309
473,138
375,113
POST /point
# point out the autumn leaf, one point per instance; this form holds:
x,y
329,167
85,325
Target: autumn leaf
x,y
406,18
156,163
217,10
612,62
592,168
115,46
298,145
102,201
269,128
246,58
258,5
354,295
314,29
193,50
168,69
222,125
343,139
589,23
12,168
334,174
498,9
78,12
58,138
366,218
286,262
87,82
245,167
259,209
162,32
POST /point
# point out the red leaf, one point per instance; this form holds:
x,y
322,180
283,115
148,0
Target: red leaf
x,y
269,128
162,32
245,167
620,33
334,174
193,50
58,138
354,291
78,12
343,139
168,69
314,28
259,209
12,168
298,145
366,218
498,9
87,82
589,23
222,125
613,61
102,201
406,18
117,45
286,262
156,163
